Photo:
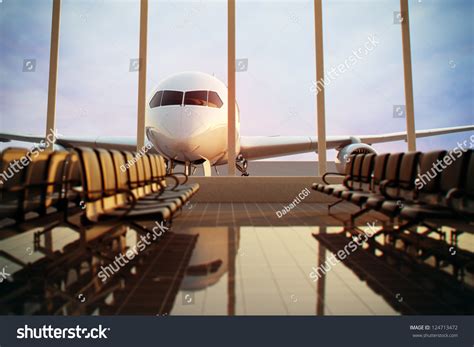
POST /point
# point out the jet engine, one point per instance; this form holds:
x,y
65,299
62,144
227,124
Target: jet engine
x,y
354,148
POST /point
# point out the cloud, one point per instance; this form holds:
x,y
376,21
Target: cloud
x,y
97,93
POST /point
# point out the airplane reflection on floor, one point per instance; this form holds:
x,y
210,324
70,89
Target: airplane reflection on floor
x,y
223,270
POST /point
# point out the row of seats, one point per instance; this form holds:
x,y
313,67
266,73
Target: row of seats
x,y
141,191
407,185
32,184
93,180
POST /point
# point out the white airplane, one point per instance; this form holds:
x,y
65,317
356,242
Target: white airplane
x,y
186,121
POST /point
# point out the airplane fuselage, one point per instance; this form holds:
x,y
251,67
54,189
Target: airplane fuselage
x,y
186,119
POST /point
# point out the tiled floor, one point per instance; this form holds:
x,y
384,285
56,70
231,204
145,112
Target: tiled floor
x,y
247,261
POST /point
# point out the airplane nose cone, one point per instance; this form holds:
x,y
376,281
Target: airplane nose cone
x,y
182,124
177,133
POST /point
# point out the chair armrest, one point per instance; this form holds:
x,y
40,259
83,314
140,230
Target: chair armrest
x,y
175,179
159,179
345,182
331,173
111,192
186,177
453,193
384,185
131,198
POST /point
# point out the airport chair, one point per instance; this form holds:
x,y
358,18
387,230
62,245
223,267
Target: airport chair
x,y
328,188
446,199
378,175
361,182
37,187
104,198
141,200
351,182
12,201
155,177
34,188
395,190
392,169
158,186
183,186
140,181
401,190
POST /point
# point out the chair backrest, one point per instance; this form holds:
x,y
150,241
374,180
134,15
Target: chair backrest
x,y
354,178
366,172
468,187
349,165
141,176
122,178
131,170
407,175
92,182
73,176
392,171
161,166
458,174
427,181
35,177
145,160
154,171
380,164
55,176
11,175
108,179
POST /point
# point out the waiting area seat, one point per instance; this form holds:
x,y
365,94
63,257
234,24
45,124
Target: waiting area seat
x,y
420,193
94,192
95,184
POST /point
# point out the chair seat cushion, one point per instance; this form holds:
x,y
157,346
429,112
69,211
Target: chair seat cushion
x,y
338,191
346,195
159,200
360,198
391,207
375,201
146,206
8,208
419,211
157,213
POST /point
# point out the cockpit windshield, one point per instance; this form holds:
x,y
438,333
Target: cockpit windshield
x,y
214,100
172,97
194,97
198,97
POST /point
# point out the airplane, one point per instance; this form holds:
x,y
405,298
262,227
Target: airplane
x,y
186,122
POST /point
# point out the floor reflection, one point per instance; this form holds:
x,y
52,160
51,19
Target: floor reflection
x,y
238,270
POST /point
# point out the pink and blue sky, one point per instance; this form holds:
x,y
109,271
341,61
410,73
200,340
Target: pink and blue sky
x,y
97,93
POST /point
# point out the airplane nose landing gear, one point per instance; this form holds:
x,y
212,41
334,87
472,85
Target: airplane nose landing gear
x,y
242,164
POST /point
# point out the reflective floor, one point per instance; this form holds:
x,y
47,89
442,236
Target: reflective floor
x,y
211,262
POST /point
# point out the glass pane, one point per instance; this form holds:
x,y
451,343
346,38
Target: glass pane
x,y
156,100
215,100
198,97
91,52
364,71
25,30
443,70
172,97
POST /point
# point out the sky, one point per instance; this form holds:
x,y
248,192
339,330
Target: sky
x,y
97,92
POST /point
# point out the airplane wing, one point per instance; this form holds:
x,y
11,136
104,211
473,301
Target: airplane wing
x,y
128,143
252,147
258,147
